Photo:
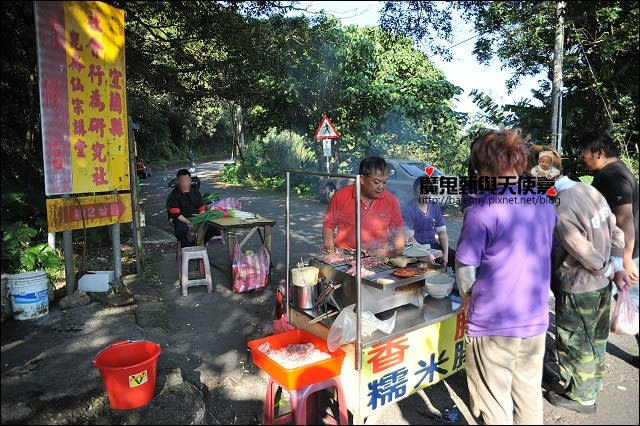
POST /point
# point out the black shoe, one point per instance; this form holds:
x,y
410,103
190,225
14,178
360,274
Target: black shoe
x,y
549,374
564,402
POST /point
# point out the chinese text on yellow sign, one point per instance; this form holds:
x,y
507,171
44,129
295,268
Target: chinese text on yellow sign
x,y
67,213
395,368
94,34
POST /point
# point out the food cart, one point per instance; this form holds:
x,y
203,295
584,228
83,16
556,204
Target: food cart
x,y
426,345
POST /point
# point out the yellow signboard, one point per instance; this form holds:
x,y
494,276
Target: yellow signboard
x,y
395,368
65,214
95,62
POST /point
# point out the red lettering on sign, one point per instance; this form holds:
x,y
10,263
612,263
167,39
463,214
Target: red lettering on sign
x,y
55,148
97,152
74,40
96,71
52,94
387,354
115,102
116,127
57,163
77,105
115,78
93,19
114,210
76,64
78,127
80,147
89,212
95,47
77,214
460,326
76,84
102,210
98,176
51,34
95,100
97,125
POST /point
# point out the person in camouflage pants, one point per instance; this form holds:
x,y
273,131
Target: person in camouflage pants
x,y
587,257
582,330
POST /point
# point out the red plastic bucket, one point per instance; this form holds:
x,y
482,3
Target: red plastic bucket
x,y
128,371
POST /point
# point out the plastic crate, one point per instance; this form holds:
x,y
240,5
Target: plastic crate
x,y
296,378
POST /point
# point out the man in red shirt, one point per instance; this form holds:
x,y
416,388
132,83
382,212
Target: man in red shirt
x,y
380,212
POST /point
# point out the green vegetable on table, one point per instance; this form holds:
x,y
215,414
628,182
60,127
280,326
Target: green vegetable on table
x,y
206,216
211,198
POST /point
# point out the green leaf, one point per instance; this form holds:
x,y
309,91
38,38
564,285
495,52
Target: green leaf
x,y
28,261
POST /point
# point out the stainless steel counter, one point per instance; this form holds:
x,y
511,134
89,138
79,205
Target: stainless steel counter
x,y
408,317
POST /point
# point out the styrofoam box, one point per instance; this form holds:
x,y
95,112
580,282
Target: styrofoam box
x,y
97,281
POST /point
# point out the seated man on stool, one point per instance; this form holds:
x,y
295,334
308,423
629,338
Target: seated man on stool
x,y
183,203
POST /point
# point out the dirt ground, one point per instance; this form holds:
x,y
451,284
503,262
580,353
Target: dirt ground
x,y
47,371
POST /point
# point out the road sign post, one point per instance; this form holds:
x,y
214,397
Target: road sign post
x,y
326,148
326,132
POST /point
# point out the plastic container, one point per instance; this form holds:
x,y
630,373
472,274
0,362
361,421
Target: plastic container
x,y
128,371
97,281
439,286
29,295
296,378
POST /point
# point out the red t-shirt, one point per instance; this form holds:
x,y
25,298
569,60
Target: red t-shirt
x,y
377,220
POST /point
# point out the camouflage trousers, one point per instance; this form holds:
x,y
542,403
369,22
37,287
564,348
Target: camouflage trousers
x,y
582,330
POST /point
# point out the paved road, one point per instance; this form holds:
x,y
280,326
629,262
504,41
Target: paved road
x,y
47,375
618,401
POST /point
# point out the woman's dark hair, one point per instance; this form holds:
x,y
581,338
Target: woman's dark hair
x,y
373,164
596,141
498,151
416,184
183,172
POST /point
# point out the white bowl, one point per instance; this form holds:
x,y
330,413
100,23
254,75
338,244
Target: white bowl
x,y
439,286
415,252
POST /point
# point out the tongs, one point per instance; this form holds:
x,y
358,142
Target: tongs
x,y
327,293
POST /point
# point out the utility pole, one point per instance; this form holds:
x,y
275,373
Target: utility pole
x,y
556,88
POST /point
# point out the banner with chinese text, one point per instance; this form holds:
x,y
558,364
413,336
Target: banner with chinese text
x,y
65,214
84,90
400,366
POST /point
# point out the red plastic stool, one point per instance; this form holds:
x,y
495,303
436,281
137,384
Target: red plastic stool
x,y
298,398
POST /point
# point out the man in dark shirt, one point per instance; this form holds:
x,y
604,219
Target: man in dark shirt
x,y
183,203
620,188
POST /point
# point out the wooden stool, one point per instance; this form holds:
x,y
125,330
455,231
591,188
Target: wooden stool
x,y
298,399
199,253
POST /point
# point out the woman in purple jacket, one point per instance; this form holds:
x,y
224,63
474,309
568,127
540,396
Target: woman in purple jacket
x,y
503,273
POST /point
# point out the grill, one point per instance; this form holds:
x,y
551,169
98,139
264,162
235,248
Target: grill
x,y
375,297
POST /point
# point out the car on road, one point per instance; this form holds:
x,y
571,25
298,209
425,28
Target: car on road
x,y
402,174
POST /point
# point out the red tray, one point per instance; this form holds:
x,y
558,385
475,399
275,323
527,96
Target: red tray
x,y
296,378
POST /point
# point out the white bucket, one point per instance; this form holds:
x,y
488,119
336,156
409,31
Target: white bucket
x,y
29,295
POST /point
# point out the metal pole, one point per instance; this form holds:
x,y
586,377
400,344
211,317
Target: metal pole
x,y
51,240
358,357
117,259
288,246
135,217
560,122
69,273
557,72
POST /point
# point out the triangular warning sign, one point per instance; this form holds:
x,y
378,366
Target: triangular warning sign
x,y
326,130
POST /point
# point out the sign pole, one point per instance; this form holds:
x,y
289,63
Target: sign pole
x,y
51,240
135,222
117,258
69,272
327,154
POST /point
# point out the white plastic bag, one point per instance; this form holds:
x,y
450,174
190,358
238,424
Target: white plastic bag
x,y
343,329
624,319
